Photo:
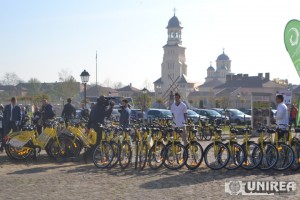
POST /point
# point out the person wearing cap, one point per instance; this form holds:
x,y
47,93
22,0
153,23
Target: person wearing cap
x,y
69,111
11,119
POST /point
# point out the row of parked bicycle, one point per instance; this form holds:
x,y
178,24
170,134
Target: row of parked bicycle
x,y
159,145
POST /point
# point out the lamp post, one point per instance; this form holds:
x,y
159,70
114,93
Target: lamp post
x,y
144,105
238,99
84,79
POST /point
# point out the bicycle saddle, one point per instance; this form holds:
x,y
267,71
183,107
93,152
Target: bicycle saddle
x,y
127,130
170,130
145,129
245,130
260,130
297,130
218,130
234,131
271,131
155,129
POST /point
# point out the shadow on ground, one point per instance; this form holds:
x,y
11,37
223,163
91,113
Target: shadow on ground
x,y
201,176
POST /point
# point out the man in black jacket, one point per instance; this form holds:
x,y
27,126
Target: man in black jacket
x,y
69,111
11,118
47,111
102,109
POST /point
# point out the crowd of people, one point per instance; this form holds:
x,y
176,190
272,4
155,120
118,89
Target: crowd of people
x,y
13,117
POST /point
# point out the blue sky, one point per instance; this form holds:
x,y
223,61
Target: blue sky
x,y
39,38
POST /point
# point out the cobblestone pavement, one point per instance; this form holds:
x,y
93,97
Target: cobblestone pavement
x,y
46,179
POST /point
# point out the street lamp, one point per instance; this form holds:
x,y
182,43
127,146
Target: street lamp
x,y
144,106
84,79
238,99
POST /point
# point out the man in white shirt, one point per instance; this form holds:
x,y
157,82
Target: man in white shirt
x,y
179,112
282,114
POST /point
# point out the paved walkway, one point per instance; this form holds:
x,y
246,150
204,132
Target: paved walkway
x,y
45,179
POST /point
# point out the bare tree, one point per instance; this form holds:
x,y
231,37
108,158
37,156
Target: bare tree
x,y
148,84
65,75
118,85
107,83
11,79
224,102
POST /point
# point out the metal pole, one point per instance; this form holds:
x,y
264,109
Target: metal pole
x,y
144,107
96,70
84,95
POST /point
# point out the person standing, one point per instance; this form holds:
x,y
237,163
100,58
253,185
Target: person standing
x,y
47,111
36,119
179,112
282,116
98,113
293,116
125,114
24,117
1,122
69,111
11,119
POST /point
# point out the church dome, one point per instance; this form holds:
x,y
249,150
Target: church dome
x,y
223,56
174,23
210,68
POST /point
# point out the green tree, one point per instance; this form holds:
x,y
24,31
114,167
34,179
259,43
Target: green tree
x,y
68,87
34,87
139,101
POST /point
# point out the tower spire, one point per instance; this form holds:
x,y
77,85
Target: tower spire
x,y
174,10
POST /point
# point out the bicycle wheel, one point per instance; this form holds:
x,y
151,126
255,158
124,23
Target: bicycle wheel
x,y
195,155
103,155
136,154
296,148
269,157
156,155
116,148
143,154
237,156
199,134
62,147
216,155
125,155
207,134
18,153
286,157
175,156
253,155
